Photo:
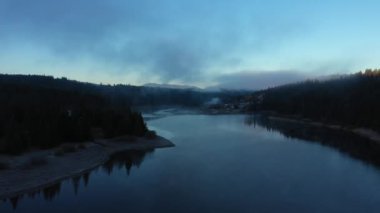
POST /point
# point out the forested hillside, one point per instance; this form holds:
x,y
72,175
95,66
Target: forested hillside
x,y
41,112
119,94
350,100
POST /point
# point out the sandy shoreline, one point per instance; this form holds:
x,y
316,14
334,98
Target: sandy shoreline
x,y
22,178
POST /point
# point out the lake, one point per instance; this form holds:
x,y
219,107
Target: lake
x,y
225,163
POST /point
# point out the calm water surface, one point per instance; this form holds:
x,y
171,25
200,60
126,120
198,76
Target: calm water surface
x,y
222,164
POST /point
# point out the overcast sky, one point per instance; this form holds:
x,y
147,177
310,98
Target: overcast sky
x,y
231,43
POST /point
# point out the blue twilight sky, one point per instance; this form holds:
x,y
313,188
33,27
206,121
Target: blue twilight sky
x,y
230,43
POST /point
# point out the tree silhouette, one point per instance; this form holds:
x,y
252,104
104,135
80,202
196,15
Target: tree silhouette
x,y
352,100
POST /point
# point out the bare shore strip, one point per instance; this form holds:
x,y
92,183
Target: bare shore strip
x,y
363,132
39,169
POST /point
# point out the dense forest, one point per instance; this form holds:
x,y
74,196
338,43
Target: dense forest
x,y
352,100
119,94
43,112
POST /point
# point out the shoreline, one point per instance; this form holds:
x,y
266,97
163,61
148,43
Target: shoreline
x,y
363,132
24,177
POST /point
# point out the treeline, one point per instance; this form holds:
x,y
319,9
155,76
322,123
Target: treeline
x,y
119,94
42,112
349,100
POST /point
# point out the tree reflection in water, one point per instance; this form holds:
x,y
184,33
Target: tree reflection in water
x,y
123,160
344,141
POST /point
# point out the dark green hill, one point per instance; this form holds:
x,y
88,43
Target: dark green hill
x,y
349,100
43,112
120,94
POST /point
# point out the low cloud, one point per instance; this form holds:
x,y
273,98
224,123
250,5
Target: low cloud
x,y
256,80
174,40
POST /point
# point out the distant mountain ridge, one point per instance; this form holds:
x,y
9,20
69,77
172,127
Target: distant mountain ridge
x,y
134,96
172,86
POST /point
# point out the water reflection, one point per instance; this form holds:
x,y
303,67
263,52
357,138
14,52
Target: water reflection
x,y
48,193
346,142
126,160
120,161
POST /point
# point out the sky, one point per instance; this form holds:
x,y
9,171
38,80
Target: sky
x,y
239,44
